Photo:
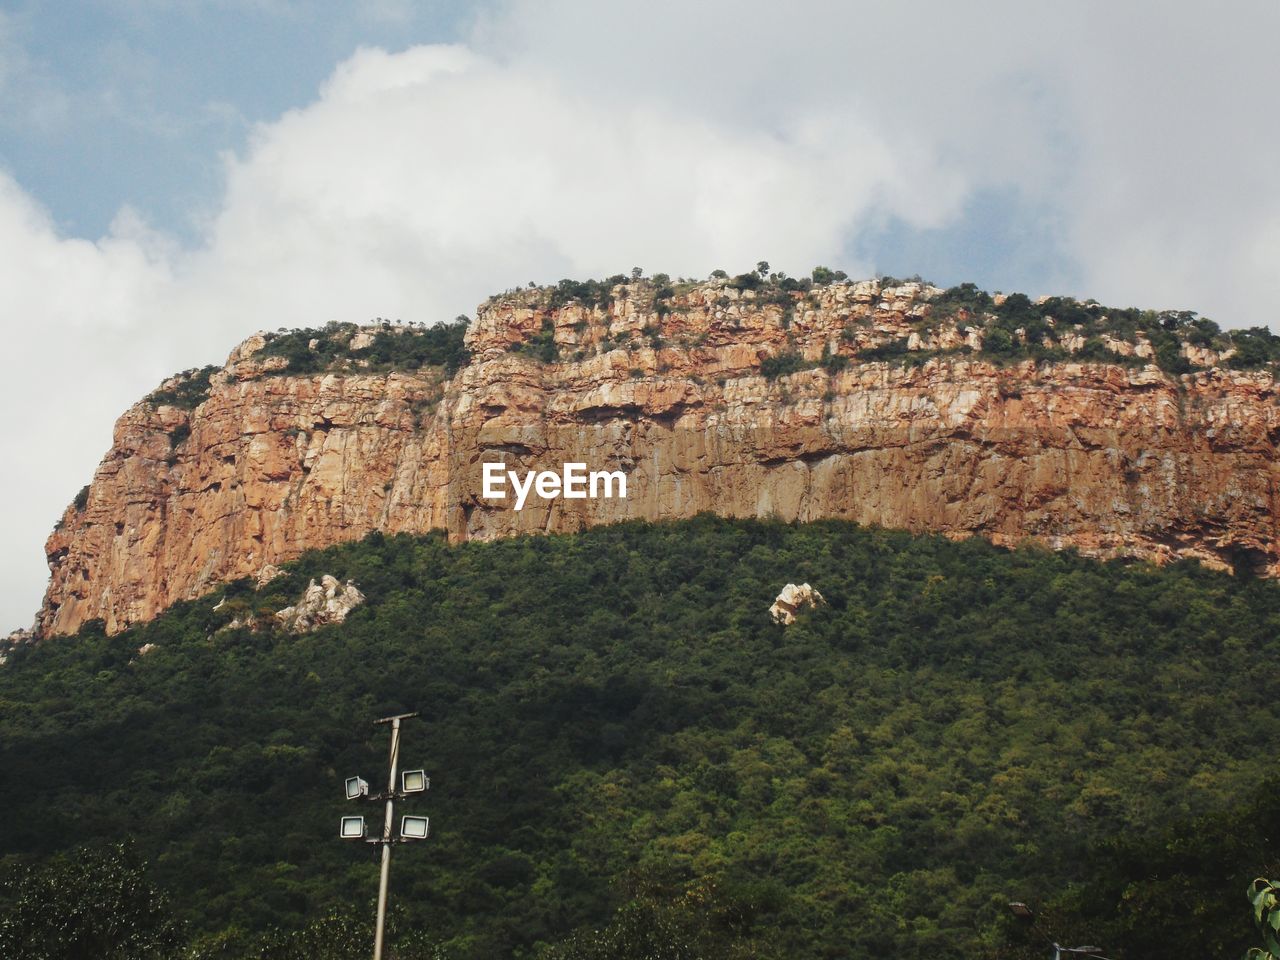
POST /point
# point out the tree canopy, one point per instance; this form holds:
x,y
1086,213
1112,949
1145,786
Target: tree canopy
x,y
613,725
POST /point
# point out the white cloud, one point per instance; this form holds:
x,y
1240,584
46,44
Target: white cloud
x,y
571,139
415,185
1144,126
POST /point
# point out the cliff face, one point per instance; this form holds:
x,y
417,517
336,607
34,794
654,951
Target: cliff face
x,y
1111,459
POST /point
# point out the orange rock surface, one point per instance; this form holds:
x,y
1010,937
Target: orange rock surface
x,y
1111,460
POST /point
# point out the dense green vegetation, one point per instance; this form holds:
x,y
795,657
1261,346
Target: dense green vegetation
x,y
393,348
781,364
1178,890
1013,328
1019,328
191,390
90,903
542,345
625,749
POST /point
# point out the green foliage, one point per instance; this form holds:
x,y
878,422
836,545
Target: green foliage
x,y
393,348
82,499
191,390
1255,347
825,275
332,346
781,364
1264,897
891,350
1144,895
438,346
960,723
90,902
1096,350
966,297
1168,350
999,342
833,362
660,297
1202,332
1019,329
542,345
590,293
700,923
339,934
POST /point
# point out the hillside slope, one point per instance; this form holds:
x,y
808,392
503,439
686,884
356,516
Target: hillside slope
x,y
958,727
1118,432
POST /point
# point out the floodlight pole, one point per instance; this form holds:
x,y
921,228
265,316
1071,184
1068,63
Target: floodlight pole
x,y
386,830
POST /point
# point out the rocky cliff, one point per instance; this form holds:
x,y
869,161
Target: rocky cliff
x,y
893,404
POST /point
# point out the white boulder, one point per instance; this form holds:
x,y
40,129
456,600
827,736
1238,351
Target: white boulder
x,y
322,603
791,599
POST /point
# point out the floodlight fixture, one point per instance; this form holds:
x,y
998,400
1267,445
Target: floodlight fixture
x,y
414,828
411,828
1021,910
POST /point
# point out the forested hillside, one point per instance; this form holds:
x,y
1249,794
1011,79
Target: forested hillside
x,y
618,736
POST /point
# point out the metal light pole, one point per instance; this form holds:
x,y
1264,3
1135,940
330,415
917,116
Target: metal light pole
x,y
386,830
1023,912
413,828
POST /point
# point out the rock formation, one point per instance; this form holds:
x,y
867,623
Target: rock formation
x,y
11,642
843,401
322,603
791,599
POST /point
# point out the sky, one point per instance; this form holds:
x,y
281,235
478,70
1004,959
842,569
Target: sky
x,y
177,174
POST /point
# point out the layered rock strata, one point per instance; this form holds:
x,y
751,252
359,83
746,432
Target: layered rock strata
x,y
1114,460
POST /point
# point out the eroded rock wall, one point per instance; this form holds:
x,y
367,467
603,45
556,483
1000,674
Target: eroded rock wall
x,y
1113,460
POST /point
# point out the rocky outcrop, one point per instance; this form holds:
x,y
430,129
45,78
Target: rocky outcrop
x,y
322,604
791,599
712,399
13,641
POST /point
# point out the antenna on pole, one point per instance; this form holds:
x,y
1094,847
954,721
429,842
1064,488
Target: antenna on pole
x,y
411,828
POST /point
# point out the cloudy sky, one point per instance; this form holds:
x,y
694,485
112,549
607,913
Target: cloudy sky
x,y
176,175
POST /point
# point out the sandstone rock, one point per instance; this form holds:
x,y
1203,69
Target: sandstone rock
x,y
1072,342
268,573
1200,356
791,599
247,348
322,603
1109,460
1121,348
145,649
